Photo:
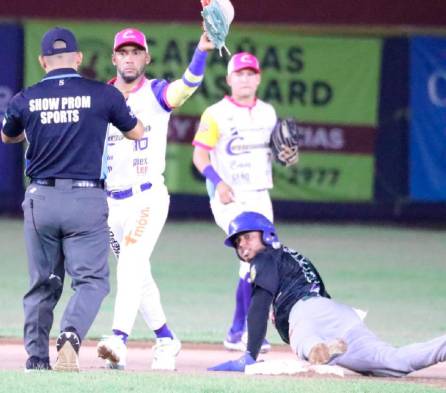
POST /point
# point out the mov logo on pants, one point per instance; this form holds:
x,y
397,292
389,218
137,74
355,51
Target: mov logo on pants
x,y
133,236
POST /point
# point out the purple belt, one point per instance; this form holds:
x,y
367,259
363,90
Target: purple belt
x,y
128,192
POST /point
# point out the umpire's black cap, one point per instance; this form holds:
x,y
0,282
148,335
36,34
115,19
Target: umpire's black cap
x,y
48,45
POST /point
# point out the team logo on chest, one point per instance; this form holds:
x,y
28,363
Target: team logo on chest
x,y
236,147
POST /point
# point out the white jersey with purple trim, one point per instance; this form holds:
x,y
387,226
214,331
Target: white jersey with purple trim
x,y
132,163
237,138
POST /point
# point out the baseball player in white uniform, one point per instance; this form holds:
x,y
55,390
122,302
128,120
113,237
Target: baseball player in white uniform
x,y
137,196
231,149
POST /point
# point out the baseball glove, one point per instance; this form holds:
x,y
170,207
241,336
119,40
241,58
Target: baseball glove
x,y
217,17
284,143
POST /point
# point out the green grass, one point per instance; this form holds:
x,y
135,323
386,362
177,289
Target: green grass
x,y
396,273
112,382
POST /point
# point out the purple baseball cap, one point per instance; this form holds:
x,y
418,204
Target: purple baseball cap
x,y
243,60
130,36
48,44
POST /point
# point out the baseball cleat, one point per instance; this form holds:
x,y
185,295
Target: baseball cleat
x,y
234,342
67,346
323,353
266,346
34,363
165,351
113,350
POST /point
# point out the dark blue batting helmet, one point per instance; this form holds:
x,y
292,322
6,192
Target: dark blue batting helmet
x,y
251,221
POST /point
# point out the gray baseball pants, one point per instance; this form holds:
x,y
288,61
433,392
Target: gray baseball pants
x,y
65,231
319,319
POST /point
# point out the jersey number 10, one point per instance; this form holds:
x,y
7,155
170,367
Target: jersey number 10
x,y
141,144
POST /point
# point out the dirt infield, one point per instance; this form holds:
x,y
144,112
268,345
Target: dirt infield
x,y
193,359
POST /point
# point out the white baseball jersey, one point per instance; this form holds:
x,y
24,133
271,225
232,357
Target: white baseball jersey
x,y
237,138
131,163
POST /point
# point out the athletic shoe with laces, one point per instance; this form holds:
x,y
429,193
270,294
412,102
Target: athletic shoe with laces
x,y
238,342
266,346
165,351
234,342
67,346
34,363
114,351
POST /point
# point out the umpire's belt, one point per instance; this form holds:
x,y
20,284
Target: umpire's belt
x,y
122,194
51,182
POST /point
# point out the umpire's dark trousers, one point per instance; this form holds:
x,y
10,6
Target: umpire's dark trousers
x,y
65,231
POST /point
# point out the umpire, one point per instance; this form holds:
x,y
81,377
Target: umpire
x,y
64,118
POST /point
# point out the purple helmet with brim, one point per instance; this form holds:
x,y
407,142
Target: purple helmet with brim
x,y
251,221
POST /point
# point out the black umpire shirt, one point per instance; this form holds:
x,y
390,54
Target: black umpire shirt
x,y
281,277
65,118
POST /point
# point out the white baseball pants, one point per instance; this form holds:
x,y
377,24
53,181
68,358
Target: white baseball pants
x,y
135,225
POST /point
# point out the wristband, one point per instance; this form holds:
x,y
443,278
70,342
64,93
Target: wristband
x,y
210,174
198,62
194,73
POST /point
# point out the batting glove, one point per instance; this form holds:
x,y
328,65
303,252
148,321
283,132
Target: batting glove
x,y
234,365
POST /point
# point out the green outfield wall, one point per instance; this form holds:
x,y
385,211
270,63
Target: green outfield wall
x,y
330,84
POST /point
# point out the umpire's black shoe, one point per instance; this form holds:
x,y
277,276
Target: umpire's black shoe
x,y
67,346
35,363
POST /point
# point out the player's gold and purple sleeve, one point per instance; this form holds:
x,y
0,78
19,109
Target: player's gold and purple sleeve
x,y
177,92
208,133
206,138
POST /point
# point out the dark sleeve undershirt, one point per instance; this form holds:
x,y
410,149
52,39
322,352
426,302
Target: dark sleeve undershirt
x,y
258,319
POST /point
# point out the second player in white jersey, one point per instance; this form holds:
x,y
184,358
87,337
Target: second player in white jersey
x,y
232,151
137,196
237,136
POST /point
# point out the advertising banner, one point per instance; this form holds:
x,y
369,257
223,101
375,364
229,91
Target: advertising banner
x,y
330,84
11,66
427,160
